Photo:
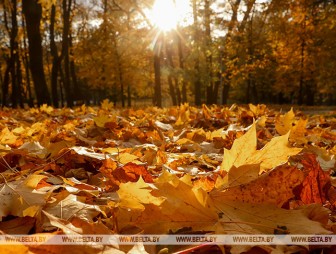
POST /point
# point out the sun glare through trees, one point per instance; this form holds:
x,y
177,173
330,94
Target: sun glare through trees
x,y
167,14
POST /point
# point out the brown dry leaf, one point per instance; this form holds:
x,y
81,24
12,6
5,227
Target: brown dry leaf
x,y
17,199
275,187
67,206
18,226
284,123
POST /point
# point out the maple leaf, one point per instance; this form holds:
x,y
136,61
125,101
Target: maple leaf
x,y
274,187
284,123
240,175
68,205
46,109
107,105
298,132
135,195
100,121
18,225
316,183
182,205
18,199
245,218
244,151
7,137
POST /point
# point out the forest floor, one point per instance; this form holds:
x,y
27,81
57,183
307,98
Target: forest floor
x,y
209,171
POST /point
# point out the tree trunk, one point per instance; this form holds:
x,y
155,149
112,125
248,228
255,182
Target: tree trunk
x,y
33,13
25,59
157,71
226,90
65,51
197,79
181,60
56,63
76,88
301,82
172,87
211,96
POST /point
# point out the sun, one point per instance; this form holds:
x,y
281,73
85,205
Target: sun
x,y
167,14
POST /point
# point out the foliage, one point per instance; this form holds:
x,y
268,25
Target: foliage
x,y
237,51
212,169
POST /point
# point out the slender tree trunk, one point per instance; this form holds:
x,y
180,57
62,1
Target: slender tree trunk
x,y
77,90
56,63
129,96
197,79
226,90
157,72
301,82
65,51
172,87
33,13
25,59
211,96
181,61
5,85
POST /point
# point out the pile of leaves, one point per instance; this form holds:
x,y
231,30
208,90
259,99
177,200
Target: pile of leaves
x,y
179,170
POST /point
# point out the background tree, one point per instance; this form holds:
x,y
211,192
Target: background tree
x,y
32,10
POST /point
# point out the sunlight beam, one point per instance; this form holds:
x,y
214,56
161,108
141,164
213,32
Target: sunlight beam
x,y
164,15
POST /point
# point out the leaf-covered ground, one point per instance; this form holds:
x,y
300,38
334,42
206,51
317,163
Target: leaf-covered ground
x,y
187,170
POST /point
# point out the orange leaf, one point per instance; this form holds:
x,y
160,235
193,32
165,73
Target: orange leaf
x,y
317,182
130,172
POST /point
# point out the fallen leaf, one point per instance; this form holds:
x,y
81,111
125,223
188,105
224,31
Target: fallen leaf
x,y
18,225
242,149
317,182
133,195
241,175
67,206
16,197
274,187
244,218
284,123
181,205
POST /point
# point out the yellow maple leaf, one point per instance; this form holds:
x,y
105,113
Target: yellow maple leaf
x,y
46,109
133,195
100,121
299,131
244,151
284,123
106,105
7,137
183,206
33,180
240,175
243,148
